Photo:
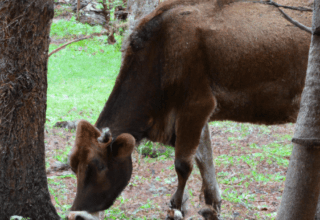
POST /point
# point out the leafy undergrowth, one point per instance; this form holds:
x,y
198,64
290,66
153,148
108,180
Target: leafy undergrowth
x,y
251,163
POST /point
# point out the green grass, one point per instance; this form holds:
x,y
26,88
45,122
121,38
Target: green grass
x,y
58,190
66,29
62,154
81,76
151,149
80,79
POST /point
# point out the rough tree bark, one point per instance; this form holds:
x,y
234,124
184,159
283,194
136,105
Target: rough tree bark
x,y
300,196
317,216
24,42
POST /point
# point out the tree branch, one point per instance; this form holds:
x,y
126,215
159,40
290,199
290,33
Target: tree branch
x,y
296,23
270,2
76,40
63,46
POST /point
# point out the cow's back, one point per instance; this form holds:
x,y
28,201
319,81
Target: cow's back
x,y
259,64
254,60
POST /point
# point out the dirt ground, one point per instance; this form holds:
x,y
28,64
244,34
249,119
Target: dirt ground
x,y
154,179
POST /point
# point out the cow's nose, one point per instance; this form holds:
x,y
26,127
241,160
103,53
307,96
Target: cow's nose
x,y
83,215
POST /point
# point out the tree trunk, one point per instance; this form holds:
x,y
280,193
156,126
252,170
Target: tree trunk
x,y
78,9
302,186
317,216
24,42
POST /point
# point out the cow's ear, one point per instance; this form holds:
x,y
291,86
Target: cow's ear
x,y
123,146
87,131
86,134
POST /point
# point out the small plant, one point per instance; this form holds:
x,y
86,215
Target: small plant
x,y
62,154
115,212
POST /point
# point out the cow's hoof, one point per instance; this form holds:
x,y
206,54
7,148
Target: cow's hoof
x,y
83,215
184,206
209,213
174,214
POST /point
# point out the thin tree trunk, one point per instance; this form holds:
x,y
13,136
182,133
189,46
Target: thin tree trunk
x,y
302,186
24,42
78,9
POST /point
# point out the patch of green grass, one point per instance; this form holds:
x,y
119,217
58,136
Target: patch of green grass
x,y
115,212
236,197
278,153
171,167
58,190
67,29
80,79
62,154
264,129
245,129
151,149
225,160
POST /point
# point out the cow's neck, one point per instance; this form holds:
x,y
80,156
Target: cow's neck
x,y
133,101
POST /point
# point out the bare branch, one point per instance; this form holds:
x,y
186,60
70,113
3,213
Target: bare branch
x,y
63,46
289,7
296,23
76,40
270,2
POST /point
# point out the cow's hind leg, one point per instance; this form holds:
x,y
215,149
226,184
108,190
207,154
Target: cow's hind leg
x,y
191,120
210,187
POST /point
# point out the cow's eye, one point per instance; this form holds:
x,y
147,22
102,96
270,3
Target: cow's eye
x,y
100,167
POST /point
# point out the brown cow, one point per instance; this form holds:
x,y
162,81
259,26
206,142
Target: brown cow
x,y
185,64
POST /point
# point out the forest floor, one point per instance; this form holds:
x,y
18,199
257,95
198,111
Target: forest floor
x,y
250,160
251,163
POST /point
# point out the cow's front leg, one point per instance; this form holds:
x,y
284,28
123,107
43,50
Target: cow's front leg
x,y
210,187
179,199
192,116
185,149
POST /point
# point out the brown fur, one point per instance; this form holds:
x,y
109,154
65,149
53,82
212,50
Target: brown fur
x,y
190,62
93,161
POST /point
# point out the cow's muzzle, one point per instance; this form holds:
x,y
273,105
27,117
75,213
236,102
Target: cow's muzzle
x,y
83,215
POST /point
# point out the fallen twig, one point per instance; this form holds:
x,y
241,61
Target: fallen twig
x,y
296,23
63,46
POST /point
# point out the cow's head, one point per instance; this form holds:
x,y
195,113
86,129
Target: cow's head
x,y
103,167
